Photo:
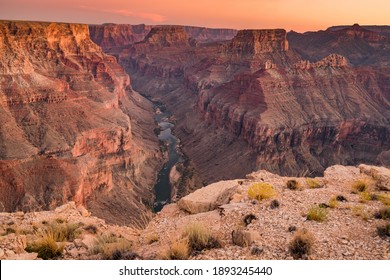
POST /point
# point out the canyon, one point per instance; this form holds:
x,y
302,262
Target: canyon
x,y
289,103
78,107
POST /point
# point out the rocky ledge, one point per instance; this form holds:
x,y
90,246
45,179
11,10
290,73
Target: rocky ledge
x,y
342,215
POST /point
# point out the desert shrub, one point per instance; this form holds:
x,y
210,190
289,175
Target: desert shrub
x,y
108,244
292,228
316,213
292,184
301,244
274,204
256,251
333,202
383,213
249,218
121,255
341,198
200,238
313,183
384,198
261,191
178,250
383,231
360,211
367,196
46,247
360,186
91,229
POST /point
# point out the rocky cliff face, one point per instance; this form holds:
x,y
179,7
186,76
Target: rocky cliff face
x,y
264,104
252,42
73,128
167,36
361,46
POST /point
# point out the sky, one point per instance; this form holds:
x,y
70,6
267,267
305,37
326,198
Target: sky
x,y
298,15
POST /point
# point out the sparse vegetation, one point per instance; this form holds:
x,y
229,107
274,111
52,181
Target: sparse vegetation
x,y
301,244
367,196
384,198
384,231
249,218
292,228
274,204
178,251
333,202
317,213
200,238
261,191
110,246
360,211
9,230
383,213
313,183
91,229
292,184
360,186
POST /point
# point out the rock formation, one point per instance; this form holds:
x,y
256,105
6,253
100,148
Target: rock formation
x,y
72,128
252,42
167,36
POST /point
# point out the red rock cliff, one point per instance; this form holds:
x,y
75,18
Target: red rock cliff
x,y
71,124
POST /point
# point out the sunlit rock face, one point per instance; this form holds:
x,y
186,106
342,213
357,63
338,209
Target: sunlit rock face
x,y
71,124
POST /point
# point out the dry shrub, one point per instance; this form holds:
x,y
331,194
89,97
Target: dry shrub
x,y
360,186
200,238
383,213
178,250
317,213
384,231
360,211
333,202
110,246
292,185
313,183
261,191
301,244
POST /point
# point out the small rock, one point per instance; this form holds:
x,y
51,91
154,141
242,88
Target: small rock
x,y
256,250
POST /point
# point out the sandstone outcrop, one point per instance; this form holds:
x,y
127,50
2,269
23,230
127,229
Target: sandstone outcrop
x,y
74,129
252,42
207,199
167,36
333,60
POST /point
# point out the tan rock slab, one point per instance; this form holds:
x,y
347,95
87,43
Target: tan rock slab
x,y
209,197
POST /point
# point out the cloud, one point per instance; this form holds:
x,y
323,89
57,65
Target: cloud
x,y
142,15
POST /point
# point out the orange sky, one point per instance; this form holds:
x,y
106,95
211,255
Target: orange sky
x,y
299,15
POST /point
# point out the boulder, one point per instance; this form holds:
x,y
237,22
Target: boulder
x,y
209,197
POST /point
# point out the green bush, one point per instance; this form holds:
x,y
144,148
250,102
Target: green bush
x,y
316,213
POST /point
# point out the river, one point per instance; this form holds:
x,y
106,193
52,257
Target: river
x,y
163,188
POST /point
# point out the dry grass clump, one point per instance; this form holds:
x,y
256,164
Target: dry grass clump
x,y
110,246
384,231
384,198
316,213
301,244
383,213
50,239
360,211
360,186
200,238
292,185
333,202
178,250
261,191
313,183
91,229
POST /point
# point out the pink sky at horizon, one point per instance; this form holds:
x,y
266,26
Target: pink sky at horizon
x,y
298,15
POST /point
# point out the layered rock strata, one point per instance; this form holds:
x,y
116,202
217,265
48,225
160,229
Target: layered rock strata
x,y
73,128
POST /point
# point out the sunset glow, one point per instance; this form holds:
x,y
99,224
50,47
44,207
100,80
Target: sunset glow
x,y
299,15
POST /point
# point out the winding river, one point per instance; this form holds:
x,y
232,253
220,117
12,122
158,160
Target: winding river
x,y
163,186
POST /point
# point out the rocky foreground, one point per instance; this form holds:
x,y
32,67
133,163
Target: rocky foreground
x,y
352,205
